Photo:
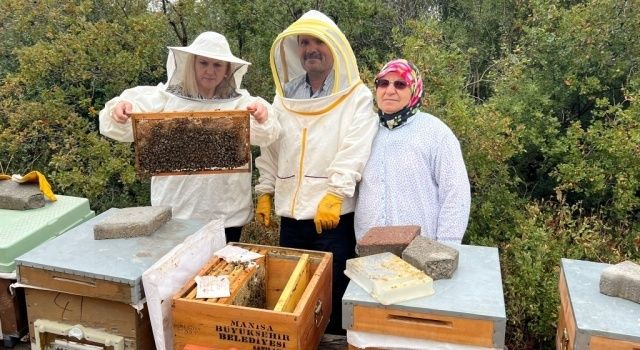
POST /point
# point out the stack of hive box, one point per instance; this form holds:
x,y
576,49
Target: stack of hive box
x,y
466,308
86,293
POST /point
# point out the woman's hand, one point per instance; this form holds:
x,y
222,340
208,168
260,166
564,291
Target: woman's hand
x,y
121,112
259,112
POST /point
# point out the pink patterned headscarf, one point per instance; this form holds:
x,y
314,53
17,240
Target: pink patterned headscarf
x,y
409,73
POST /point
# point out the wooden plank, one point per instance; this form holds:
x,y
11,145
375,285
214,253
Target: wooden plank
x,y
75,284
208,324
423,325
562,335
279,270
295,286
314,308
568,320
602,343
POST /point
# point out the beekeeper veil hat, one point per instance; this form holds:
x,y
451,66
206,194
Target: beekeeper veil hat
x,y
180,61
285,60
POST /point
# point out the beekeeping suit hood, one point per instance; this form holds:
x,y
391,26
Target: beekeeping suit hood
x,y
208,44
325,141
286,65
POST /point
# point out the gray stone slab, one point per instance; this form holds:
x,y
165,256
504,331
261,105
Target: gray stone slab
x,y
17,196
132,222
435,259
474,291
621,280
597,314
119,260
392,239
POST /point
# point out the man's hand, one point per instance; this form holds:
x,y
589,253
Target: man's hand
x,y
263,209
121,112
259,112
328,213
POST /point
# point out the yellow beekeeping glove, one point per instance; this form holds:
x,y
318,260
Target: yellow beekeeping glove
x,y
328,213
263,209
36,176
5,177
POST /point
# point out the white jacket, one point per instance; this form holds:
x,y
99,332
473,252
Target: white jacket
x,y
325,142
211,196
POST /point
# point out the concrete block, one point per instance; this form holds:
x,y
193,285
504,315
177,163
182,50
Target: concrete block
x,y
17,196
393,239
132,222
621,280
435,259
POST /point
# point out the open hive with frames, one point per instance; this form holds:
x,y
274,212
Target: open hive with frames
x,y
281,301
181,143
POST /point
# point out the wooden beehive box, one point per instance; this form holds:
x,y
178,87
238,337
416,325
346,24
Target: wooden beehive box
x,y
74,281
467,309
283,303
182,143
589,319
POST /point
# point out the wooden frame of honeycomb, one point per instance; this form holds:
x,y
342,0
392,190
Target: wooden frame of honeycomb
x,y
184,143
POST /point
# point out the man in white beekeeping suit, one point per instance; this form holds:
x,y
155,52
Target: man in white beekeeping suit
x,y
328,124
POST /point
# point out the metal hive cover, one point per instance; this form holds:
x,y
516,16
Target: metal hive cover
x,y
119,260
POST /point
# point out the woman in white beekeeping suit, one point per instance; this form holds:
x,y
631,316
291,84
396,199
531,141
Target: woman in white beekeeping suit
x,y
202,76
328,124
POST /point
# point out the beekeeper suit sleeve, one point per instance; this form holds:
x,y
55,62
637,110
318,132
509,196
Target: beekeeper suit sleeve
x,y
267,166
266,133
147,99
347,165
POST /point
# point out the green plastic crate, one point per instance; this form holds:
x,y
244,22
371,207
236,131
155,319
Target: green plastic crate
x,y
23,230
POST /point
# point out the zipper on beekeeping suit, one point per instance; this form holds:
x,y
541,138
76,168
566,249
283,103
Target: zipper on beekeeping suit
x,y
303,149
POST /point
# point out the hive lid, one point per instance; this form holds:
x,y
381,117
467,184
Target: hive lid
x,y
474,290
118,260
22,230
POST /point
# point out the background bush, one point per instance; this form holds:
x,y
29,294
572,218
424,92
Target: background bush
x,y
543,96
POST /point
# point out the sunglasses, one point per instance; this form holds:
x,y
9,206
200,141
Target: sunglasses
x,y
397,84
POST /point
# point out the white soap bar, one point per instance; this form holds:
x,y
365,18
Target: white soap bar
x,y
388,278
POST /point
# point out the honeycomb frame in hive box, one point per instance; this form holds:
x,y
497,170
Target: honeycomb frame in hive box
x,y
281,303
184,143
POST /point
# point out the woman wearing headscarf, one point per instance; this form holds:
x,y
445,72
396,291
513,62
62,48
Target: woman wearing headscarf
x,y
203,76
415,174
